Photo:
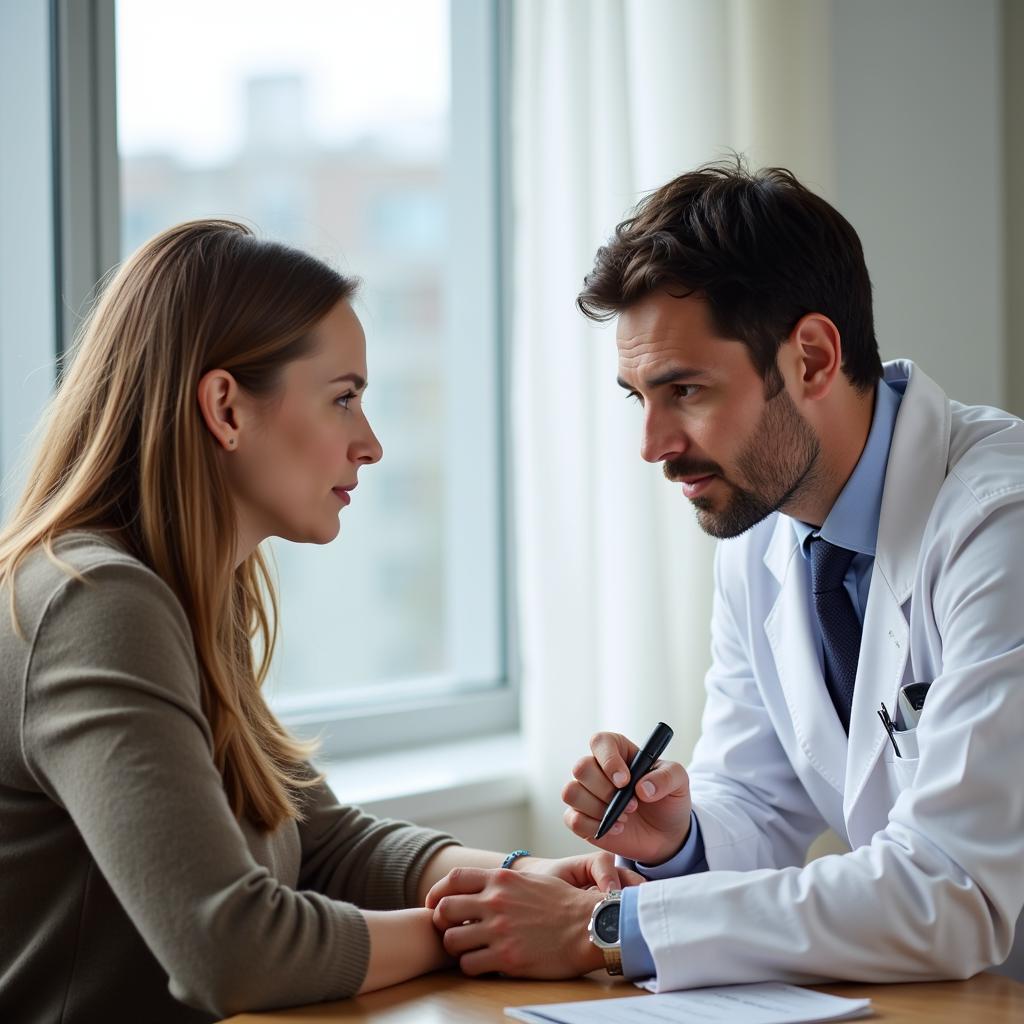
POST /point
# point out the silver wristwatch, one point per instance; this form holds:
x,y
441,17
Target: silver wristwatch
x,y
604,931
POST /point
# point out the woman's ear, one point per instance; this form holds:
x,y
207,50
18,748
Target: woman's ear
x,y
218,394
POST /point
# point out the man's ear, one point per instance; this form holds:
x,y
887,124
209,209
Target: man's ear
x,y
820,353
218,395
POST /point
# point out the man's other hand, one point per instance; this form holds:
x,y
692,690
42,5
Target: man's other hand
x,y
522,924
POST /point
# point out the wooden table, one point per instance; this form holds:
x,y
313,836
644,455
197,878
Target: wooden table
x,y
449,998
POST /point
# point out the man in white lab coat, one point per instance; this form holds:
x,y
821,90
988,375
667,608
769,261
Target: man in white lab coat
x,y
873,536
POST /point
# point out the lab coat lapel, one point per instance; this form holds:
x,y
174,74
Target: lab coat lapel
x,y
885,643
915,471
789,628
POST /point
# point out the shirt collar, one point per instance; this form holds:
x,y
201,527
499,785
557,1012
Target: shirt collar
x,y
853,520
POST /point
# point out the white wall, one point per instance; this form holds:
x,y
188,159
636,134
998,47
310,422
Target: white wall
x,y
1013,183
918,139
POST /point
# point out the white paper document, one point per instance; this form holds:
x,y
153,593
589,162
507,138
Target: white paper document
x,y
768,1003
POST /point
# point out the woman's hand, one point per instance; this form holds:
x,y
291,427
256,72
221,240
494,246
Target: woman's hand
x,y
524,924
585,871
656,821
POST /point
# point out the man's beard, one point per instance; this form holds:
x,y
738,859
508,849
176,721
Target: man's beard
x,y
778,464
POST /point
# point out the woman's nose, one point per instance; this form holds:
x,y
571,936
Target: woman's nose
x,y
367,449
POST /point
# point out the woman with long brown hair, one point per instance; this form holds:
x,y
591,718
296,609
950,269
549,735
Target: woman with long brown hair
x,y
167,853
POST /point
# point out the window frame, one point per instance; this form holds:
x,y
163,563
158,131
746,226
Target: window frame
x,y
29,268
85,211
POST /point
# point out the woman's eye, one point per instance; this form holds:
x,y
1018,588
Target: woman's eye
x,y
343,400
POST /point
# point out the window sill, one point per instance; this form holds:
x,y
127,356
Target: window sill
x,y
426,784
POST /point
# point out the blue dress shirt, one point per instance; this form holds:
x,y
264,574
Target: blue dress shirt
x,y
853,521
853,524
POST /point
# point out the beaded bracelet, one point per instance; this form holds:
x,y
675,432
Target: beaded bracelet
x,y
514,856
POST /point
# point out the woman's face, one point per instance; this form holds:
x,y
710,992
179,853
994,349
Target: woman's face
x,y
297,457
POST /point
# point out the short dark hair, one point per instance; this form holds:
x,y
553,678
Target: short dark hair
x,y
759,247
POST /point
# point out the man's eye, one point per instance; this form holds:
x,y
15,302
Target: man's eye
x,y
686,390
632,396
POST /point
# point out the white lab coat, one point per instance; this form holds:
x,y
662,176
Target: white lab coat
x,y
935,880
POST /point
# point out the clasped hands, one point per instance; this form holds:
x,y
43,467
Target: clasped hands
x,y
530,920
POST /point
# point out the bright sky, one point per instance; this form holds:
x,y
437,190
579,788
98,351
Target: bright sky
x,y
181,64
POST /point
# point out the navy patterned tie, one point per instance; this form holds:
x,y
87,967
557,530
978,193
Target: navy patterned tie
x,y
837,618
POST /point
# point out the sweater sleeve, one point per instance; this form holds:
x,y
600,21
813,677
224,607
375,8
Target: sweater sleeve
x,y
114,733
350,855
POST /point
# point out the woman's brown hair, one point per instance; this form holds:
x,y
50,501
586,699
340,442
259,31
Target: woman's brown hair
x,y
123,449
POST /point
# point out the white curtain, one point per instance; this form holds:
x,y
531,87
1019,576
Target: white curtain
x,y
611,98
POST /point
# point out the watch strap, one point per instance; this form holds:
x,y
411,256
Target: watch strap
x,y
613,958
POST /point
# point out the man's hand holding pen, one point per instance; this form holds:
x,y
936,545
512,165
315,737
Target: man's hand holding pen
x,y
530,920
656,821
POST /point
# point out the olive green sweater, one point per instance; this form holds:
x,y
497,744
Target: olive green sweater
x,y
128,890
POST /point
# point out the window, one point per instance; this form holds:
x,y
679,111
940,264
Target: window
x,y
366,133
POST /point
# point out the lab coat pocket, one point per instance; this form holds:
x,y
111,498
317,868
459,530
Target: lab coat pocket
x,y
904,767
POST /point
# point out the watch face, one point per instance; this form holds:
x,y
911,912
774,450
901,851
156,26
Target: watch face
x,y
606,924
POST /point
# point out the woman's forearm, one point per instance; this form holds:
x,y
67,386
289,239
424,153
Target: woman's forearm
x,y
449,857
403,944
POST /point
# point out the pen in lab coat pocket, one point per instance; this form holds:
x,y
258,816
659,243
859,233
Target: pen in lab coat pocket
x,y
883,714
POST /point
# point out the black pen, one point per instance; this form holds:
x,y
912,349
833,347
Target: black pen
x,y
638,768
883,714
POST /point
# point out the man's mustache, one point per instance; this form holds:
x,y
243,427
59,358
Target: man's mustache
x,y
680,469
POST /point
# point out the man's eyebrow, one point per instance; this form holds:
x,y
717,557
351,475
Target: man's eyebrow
x,y
358,382
671,376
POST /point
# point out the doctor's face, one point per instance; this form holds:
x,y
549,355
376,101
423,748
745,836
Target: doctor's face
x,y
738,455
